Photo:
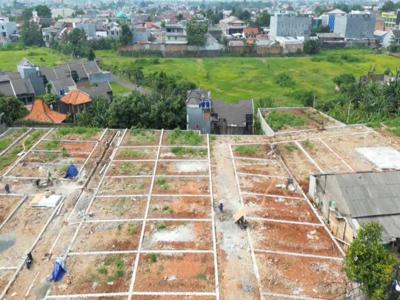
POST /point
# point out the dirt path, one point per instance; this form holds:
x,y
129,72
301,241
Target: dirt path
x,y
237,278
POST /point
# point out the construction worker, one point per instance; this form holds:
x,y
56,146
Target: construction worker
x,y
7,188
221,207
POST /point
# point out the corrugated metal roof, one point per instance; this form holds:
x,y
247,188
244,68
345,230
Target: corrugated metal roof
x,y
370,194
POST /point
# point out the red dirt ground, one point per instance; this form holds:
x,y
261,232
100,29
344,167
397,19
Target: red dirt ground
x,y
178,236
262,167
280,209
293,238
264,185
108,236
130,168
180,207
182,168
118,208
320,278
7,204
125,186
180,186
85,275
178,272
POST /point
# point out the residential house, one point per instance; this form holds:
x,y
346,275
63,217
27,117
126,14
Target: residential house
x,y
348,201
232,27
12,85
75,102
175,34
283,25
42,113
391,19
8,29
217,117
355,25
291,44
331,40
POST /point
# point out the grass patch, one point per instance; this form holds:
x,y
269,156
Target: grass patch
x,y
132,229
161,226
85,133
179,137
51,145
167,209
291,148
153,258
279,120
285,80
201,276
188,152
308,145
247,150
143,136
162,183
128,153
119,89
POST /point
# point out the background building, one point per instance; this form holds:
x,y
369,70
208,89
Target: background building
x,y
355,25
290,26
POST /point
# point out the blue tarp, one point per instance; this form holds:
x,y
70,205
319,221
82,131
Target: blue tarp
x,y
72,172
59,270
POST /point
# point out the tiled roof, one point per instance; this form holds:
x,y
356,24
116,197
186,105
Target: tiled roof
x,y
76,97
42,113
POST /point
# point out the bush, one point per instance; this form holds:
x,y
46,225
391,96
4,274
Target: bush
x,y
312,47
285,80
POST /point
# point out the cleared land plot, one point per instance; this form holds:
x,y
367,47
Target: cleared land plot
x,y
67,148
5,277
324,158
296,119
133,153
173,298
55,157
175,273
40,170
96,274
10,136
110,208
180,186
130,168
169,235
301,276
21,231
76,134
180,207
346,146
7,205
141,137
182,168
279,208
184,138
270,167
298,163
293,238
108,236
183,153
125,186
266,185
253,151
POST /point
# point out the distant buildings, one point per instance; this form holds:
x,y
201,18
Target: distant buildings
x,y
232,27
218,117
355,25
8,30
290,26
175,34
391,20
328,19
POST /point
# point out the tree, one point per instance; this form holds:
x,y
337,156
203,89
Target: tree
x,y
344,79
388,6
307,98
196,33
12,108
43,11
263,20
91,54
312,47
27,15
369,263
31,35
96,115
50,99
126,35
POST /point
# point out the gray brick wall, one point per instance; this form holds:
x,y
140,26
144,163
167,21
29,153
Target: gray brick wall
x,y
292,26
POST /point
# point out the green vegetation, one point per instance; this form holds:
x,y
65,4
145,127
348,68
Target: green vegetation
x,y
113,265
179,137
119,89
201,276
167,209
285,80
188,152
291,147
12,108
43,57
279,120
143,136
162,183
132,154
247,150
235,78
132,229
10,138
161,226
85,133
153,257
369,263
51,145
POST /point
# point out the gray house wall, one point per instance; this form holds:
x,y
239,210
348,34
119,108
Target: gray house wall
x,y
355,26
196,119
290,26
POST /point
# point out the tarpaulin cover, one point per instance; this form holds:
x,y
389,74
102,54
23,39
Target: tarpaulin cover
x,y
72,172
59,270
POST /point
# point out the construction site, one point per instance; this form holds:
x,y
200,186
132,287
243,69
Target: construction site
x,y
159,214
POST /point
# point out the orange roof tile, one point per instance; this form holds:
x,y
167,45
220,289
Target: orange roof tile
x,y
76,97
40,112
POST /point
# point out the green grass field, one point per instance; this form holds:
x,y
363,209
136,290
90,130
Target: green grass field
x,y
119,89
235,78
41,56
